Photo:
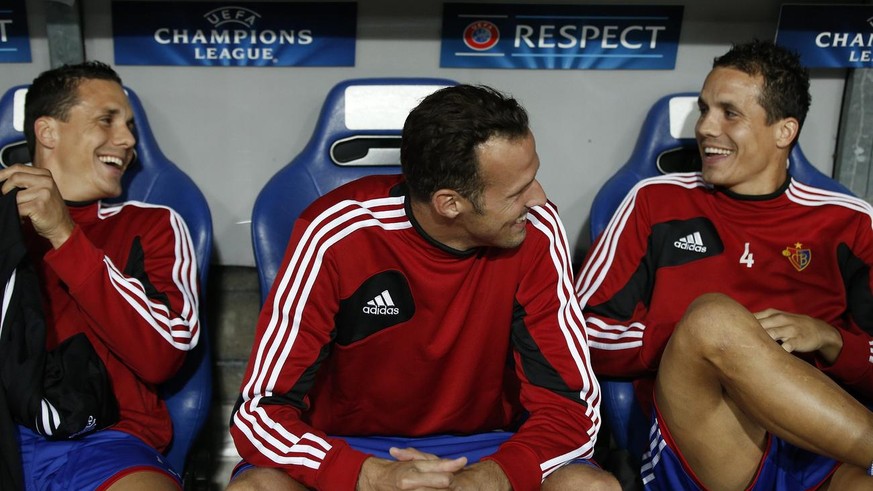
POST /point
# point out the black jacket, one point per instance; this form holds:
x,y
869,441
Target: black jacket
x,y
60,393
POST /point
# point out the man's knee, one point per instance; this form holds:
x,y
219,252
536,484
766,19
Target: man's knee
x,y
712,324
581,477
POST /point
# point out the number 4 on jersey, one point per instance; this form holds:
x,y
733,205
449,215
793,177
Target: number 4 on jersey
x,y
747,258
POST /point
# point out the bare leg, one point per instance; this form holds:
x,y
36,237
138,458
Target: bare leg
x,y
723,383
578,477
848,477
264,479
145,481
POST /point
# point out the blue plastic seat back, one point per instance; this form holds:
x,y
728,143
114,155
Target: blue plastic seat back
x,y
357,134
666,143
151,179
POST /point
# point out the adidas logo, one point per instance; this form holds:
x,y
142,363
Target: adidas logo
x,y
381,305
691,242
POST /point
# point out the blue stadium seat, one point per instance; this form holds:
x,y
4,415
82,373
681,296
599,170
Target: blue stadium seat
x,y
152,179
357,134
666,143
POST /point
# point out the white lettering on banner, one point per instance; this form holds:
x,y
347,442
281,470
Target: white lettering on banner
x,y
166,35
233,53
245,16
3,23
570,36
844,40
857,56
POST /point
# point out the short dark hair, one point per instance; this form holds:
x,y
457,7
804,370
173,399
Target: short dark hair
x,y
440,136
786,81
54,92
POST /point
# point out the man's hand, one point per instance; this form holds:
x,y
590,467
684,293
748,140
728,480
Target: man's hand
x,y
409,453
482,476
39,200
413,470
801,333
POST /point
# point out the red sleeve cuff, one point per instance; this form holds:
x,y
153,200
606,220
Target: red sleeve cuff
x,y
854,354
655,339
341,468
520,465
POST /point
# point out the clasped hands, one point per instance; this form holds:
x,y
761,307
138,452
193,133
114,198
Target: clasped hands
x,y
416,470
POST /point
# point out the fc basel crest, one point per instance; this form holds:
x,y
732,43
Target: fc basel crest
x,y
481,35
798,256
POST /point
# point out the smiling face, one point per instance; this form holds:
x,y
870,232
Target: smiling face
x,y
740,151
89,152
508,168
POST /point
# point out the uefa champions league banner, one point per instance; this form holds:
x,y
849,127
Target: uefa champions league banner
x,y
606,37
14,38
238,34
828,36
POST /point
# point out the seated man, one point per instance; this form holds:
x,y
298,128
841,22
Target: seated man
x,y
748,294
123,275
436,307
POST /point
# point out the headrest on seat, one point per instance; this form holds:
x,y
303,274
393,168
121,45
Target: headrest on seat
x,y
367,132
357,134
667,143
682,113
13,148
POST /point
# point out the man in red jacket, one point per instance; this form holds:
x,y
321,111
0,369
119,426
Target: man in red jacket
x,y
122,275
747,294
422,332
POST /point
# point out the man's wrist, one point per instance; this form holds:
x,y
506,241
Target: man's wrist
x,y
359,484
369,468
832,346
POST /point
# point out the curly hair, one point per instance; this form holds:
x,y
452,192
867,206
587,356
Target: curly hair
x,y
786,81
54,92
440,136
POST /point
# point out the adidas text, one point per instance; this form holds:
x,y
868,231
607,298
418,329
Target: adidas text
x,y
689,247
381,310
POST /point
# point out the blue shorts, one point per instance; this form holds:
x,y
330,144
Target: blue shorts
x,y
783,466
474,447
93,462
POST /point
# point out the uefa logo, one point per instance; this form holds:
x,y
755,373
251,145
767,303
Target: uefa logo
x,y
481,35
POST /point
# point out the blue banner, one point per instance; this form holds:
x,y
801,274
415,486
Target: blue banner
x,y
14,38
606,37
828,36
243,34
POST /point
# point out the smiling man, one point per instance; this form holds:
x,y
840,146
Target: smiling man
x,y
418,319
758,337
121,276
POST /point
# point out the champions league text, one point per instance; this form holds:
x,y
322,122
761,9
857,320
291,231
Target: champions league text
x,y
247,38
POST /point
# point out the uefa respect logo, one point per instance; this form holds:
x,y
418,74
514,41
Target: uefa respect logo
x,y
481,35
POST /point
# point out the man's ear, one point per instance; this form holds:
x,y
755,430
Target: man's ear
x,y
447,203
45,129
787,131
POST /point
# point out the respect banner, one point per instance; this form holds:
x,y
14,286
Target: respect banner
x,y
521,36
